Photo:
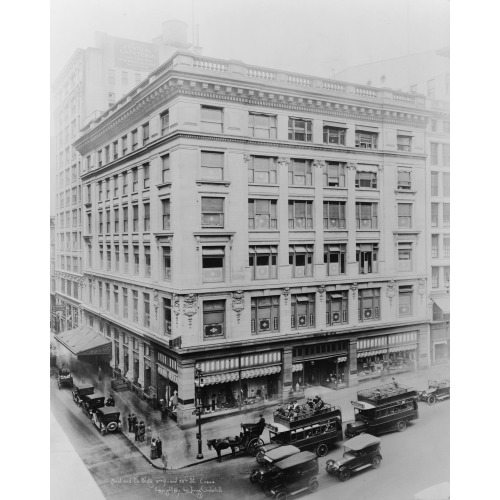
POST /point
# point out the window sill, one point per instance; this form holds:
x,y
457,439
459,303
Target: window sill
x,y
260,184
164,184
200,182
403,191
368,189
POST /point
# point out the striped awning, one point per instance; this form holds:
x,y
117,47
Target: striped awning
x,y
297,367
166,373
222,378
342,359
376,352
401,348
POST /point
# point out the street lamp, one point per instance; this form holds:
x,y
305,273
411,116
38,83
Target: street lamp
x,y
199,407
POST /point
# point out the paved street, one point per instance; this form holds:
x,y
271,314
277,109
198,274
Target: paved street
x,y
413,460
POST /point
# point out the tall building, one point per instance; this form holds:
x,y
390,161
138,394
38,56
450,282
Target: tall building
x,y
264,226
427,73
92,81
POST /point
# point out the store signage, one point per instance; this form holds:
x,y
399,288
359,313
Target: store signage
x,y
361,406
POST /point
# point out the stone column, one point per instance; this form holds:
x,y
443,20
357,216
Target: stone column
x,y
352,364
352,265
141,364
352,304
130,368
321,308
319,264
121,363
284,267
286,379
153,354
186,393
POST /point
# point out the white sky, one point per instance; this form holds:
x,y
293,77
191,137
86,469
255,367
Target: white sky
x,y
314,36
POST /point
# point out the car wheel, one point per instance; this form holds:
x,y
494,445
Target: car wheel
x,y
254,477
260,457
376,462
345,474
322,450
112,426
401,425
313,485
267,491
431,399
281,496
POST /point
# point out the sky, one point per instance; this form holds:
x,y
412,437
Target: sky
x,y
317,37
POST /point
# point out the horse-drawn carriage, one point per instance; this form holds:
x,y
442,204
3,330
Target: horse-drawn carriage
x,y
248,441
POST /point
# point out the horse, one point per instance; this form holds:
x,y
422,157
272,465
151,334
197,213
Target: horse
x,y
222,444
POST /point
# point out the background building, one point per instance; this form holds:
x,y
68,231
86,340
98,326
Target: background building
x,y
267,226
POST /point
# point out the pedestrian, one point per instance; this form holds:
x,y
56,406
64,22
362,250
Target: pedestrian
x,y
136,432
142,430
110,401
396,385
174,400
159,447
154,449
134,420
99,373
130,426
297,387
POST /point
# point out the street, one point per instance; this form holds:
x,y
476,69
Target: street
x,y
412,461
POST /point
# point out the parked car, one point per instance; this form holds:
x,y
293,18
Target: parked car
x,y
360,452
80,390
91,402
64,378
293,475
269,459
107,419
436,391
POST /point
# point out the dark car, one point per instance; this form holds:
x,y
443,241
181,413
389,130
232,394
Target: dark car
x,y
268,459
91,402
64,378
80,390
360,452
107,419
293,475
436,391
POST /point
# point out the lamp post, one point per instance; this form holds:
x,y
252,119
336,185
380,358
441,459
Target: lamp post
x,y
199,407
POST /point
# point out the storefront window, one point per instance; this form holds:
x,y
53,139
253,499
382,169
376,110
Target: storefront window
x,y
213,318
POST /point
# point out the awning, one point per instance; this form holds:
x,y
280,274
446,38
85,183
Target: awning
x,y
166,373
222,378
84,341
401,348
443,303
297,367
376,352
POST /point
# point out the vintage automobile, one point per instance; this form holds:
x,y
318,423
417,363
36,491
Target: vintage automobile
x,y
360,452
269,459
107,419
81,390
293,475
64,378
91,402
436,391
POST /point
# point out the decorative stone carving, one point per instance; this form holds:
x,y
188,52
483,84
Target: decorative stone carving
x,y
238,303
354,287
284,159
190,307
286,292
155,302
421,286
351,165
319,163
391,290
380,167
176,306
321,291
247,157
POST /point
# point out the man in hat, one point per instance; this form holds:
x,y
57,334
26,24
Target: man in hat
x,y
310,403
154,449
136,432
130,426
261,424
134,422
110,401
159,447
142,430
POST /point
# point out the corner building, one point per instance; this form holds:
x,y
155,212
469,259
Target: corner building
x,y
265,225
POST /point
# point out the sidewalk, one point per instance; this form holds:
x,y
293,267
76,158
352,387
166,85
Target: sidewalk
x,y
181,446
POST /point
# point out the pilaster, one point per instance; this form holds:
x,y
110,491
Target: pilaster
x,y
352,363
352,266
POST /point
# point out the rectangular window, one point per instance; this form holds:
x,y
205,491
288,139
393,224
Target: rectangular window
x,y
303,311
262,170
404,215
135,218
434,153
446,271
89,223
366,215
108,257
435,277
334,174
262,214
434,184
404,143
446,214
165,172
167,316
299,130
212,212
404,179
125,219
334,215
300,172
333,135
108,297
125,303
147,260
367,258
145,173
108,189
366,140
336,307
446,154
115,186
125,258
135,140
106,155
135,306
101,225
124,145
368,304
99,191
211,119
117,258
165,205
263,262
146,309
146,217
108,221
435,246
405,300
446,245
404,257
165,122
99,158
301,259
446,184
115,150
366,180
115,299
213,264
214,312
167,265
262,126
265,314
335,259
145,134
100,294
135,180
212,165
125,183
136,259
434,214
300,214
